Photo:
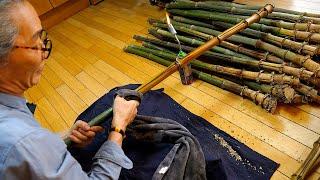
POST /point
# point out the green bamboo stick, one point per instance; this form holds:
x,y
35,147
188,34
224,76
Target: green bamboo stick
x,y
279,41
304,61
301,73
194,42
259,76
265,101
200,14
230,4
235,10
237,48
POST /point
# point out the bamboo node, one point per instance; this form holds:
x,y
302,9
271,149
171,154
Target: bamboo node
x,y
260,17
232,10
238,48
283,41
193,41
255,98
295,31
302,47
243,88
304,60
241,74
258,77
222,85
266,56
301,72
309,36
281,68
309,26
196,4
272,78
285,54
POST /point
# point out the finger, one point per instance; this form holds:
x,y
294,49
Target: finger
x,y
88,134
97,129
79,135
75,139
83,125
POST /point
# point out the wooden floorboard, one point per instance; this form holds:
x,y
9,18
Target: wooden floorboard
x,y
87,61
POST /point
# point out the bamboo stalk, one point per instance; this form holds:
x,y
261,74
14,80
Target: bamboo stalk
x,y
279,41
300,73
309,164
243,6
309,27
265,101
194,42
258,76
283,93
301,35
236,48
304,61
236,10
194,54
282,42
309,92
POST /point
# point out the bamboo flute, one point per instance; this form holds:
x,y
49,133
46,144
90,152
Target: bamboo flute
x,y
192,55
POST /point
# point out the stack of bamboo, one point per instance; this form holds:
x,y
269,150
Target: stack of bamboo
x,y
272,61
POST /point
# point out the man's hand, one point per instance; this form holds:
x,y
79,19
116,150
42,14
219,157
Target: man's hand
x,y
82,134
124,112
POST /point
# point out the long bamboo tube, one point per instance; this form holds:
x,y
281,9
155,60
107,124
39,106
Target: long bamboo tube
x,y
236,10
301,35
308,92
196,42
309,27
236,48
279,41
243,6
304,61
264,100
192,55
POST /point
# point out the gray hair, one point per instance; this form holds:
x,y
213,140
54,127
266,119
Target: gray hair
x,y
8,28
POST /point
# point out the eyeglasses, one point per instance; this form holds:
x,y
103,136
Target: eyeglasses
x,y
47,45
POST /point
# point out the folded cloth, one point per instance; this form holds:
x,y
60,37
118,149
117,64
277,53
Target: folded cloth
x,y
226,158
184,161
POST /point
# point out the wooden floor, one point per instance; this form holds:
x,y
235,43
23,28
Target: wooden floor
x,y
87,61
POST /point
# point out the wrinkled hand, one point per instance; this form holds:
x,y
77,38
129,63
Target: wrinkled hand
x,y
82,134
124,112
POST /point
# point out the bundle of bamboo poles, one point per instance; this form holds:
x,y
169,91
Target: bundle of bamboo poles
x,y
275,60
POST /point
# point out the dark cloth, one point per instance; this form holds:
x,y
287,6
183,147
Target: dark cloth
x,y
146,156
184,161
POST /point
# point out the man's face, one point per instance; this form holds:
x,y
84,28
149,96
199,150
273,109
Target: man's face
x,y
26,65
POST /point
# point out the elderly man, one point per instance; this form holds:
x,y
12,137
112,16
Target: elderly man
x,y
28,151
